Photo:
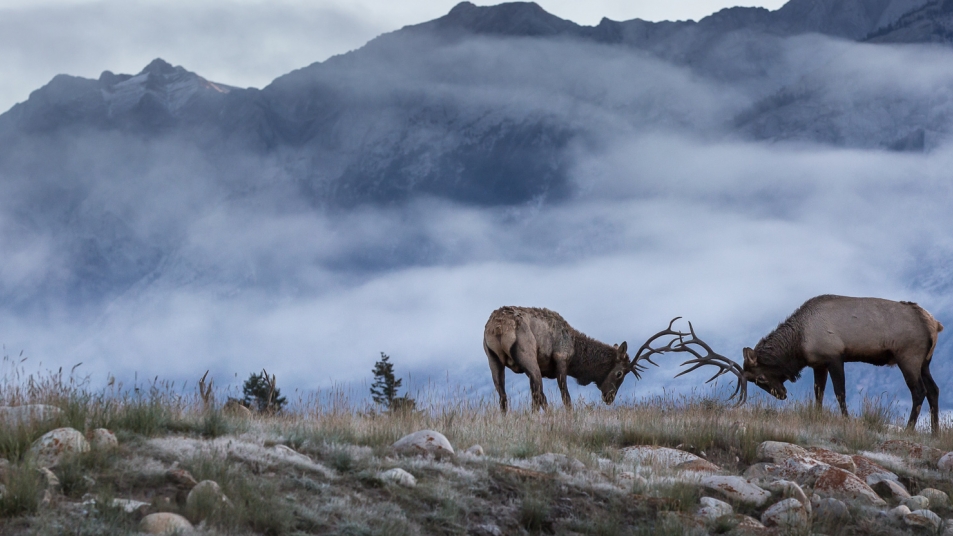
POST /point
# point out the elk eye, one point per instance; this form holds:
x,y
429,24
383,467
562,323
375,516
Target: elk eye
x,y
618,374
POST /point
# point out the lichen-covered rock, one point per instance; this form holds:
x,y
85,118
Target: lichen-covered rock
x,y
870,472
181,478
102,439
777,451
761,472
399,476
747,525
844,485
937,498
889,489
475,450
53,446
165,523
945,462
789,490
712,509
698,466
899,512
658,456
912,451
736,489
834,459
205,497
788,514
917,502
830,511
923,518
28,413
424,442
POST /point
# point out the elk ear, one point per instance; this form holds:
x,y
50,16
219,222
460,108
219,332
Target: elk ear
x,y
620,352
751,358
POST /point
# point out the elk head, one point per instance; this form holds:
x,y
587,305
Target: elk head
x,y
613,380
768,378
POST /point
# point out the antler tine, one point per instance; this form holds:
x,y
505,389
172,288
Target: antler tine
x,y
677,335
712,358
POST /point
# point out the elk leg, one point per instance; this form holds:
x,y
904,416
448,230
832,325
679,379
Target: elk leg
x,y
499,375
561,366
820,383
918,392
933,397
836,370
536,386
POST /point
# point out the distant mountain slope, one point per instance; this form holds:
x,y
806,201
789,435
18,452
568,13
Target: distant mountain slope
x,y
930,23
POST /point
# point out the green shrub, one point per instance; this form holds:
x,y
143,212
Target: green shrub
x,y
24,486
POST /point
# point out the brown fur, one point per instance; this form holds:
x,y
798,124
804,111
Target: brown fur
x,y
541,344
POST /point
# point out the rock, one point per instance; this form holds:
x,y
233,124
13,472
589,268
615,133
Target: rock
x,y
181,478
698,466
658,456
870,472
889,489
788,514
487,529
712,509
841,484
165,523
804,471
777,452
747,525
552,463
475,450
947,528
424,442
917,502
830,511
205,497
289,454
789,490
51,447
761,472
899,512
50,481
102,439
937,498
946,462
399,476
834,459
923,518
234,408
912,451
129,506
736,489
29,413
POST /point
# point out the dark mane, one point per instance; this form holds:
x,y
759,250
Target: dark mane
x,y
591,361
782,349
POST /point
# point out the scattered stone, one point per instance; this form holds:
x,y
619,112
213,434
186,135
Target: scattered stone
x,y
712,509
552,463
937,498
947,528
29,413
889,489
291,455
748,525
102,439
804,471
475,450
206,493
917,502
181,478
923,518
698,466
912,451
660,456
399,476
50,480
788,514
841,484
736,489
49,449
946,463
777,452
789,490
830,511
834,459
899,512
165,523
870,472
129,506
486,529
761,472
424,442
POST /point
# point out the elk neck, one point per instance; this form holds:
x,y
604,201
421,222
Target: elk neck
x,y
591,360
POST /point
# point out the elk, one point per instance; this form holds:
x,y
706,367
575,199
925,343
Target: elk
x,y
541,344
827,331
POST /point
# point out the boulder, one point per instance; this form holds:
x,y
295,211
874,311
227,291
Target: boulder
x,y
917,502
946,462
777,452
924,519
658,456
712,509
841,484
892,490
205,497
129,506
789,515
424,442
165,523
102,439
552,463
938,499
398,476
286,453
475,450
181,478
870,472
698,466
912,451
899,512
736,489
789,490
51,447
19,415
830,511
761,472
747,525
834,459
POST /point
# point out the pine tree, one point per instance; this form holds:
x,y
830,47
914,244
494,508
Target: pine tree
x,y
256,390
384,388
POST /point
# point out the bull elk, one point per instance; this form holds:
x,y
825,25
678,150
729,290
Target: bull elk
x,y
541,344
827,331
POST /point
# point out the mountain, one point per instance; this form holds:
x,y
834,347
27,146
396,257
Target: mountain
x,y
930,23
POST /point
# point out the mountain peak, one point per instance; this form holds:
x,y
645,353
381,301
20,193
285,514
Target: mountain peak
x,y
511,18
159,66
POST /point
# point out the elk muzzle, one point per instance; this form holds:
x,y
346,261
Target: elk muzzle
x,y
609,397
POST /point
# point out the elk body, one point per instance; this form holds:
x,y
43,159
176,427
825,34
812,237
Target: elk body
x,y
541,344
827,331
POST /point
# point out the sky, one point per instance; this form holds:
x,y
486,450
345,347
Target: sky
x,y
245,43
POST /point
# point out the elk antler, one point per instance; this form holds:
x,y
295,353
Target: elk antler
x,y
205,391
636,368
270,381
711,358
